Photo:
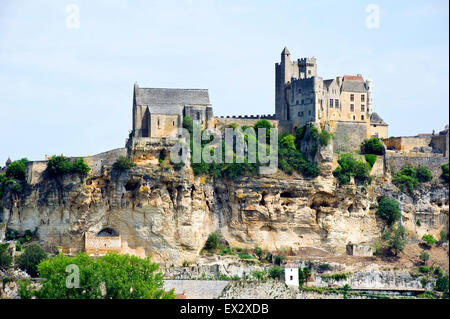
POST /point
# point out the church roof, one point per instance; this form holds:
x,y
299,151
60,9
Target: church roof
x,y
286,51
376,119
162,96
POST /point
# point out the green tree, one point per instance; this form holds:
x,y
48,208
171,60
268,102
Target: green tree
x,y
424,256
371,159
423,174
5,256
258,252
188,124
212,242
287,141
324,137
445,172
299,134
429,239
389,210
30,259
396,239
80,166
275,272
265,124
372,146
111,277
16,169
123,163
58,165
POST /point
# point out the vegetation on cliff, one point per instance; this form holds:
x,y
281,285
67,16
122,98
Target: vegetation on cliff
x,y
60,165
408,178
112,276
349,167
372,146
445,172
389,210
14,177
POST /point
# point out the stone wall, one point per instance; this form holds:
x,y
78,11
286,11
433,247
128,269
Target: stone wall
x,y
432,161
241,121
197,289
102,245
348,136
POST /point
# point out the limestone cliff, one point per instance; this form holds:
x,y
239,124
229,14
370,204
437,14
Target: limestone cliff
x,y
169,214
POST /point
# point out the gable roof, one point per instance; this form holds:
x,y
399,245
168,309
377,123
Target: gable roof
x,y
353,83
163,96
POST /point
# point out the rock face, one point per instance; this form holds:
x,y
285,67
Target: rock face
x,y
169,214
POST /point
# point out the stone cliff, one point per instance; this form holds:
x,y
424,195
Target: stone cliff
x,y
169,214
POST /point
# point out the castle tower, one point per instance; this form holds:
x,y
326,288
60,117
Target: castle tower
x,y
369,96
284,71
307,68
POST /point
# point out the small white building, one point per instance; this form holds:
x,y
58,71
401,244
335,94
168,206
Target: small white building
x,y
291,274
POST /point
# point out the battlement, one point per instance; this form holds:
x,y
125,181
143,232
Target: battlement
x,y
261,116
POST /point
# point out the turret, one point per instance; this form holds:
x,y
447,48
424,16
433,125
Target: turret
x,y
369,96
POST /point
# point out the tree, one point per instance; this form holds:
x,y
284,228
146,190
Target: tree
x,y
287,141
258,252
429,239
5,256
275,272
58,165
423,174
424,256
212,242
111,277
372,146
80,166
445,172
396,239
16,169
324,137
188,124
388,209
265,124
123,163
30,259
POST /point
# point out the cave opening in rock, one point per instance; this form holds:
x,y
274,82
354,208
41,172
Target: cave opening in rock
x,y
132,185
286,195
107,232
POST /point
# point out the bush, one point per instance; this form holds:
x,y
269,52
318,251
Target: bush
x,y
266,125
58,165
350,166
16,169
212,242
313,131
371,159
424,256
423,174
445,172
278,260
389,210
372,146
258,252
324,137
80,166
442,284
188,124
123,163
245,256
396,239
429,239
30,259
275,272
5,257
409,178
299,136
259,274
122,276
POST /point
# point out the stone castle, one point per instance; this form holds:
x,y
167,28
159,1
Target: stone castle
x,y
301,97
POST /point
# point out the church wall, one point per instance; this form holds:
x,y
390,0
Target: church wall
x,y
163,125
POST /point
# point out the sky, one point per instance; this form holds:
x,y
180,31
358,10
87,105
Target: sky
x,y
67,68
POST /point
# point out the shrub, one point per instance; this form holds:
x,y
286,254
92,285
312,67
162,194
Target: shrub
x,y
429,239
16,169
313,131
122,276
396,239
258,252
30,259
388,209
212,242
245,256
123,163
423,174
266,125
80,166
278,260
58,165
336,277
424,256
324,267
5,257
299,134
371,159
350,166
275,272
443,236
445,172
324,137
287,141
18,246
188,124
259,274
372,146
442,284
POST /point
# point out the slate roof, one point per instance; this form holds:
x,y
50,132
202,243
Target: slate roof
x,y
376,119
162,97
327,83
354,86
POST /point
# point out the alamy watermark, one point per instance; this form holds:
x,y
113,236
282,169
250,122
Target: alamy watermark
x,y
73,16
373,19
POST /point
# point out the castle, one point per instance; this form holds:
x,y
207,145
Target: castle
x,y
343,104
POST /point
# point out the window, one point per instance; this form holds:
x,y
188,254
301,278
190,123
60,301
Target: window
x,y
309,112
296,102
299,90
292,278
331,103
362,117
303,102
362,108
354,117
352,97
159,126
300,114
336,103
198,115
173,123
363,98
309,71
352,107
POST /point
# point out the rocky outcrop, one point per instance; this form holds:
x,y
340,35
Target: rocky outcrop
x,y
169,214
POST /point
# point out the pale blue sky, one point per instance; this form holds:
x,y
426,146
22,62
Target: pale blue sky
x,y
69,91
